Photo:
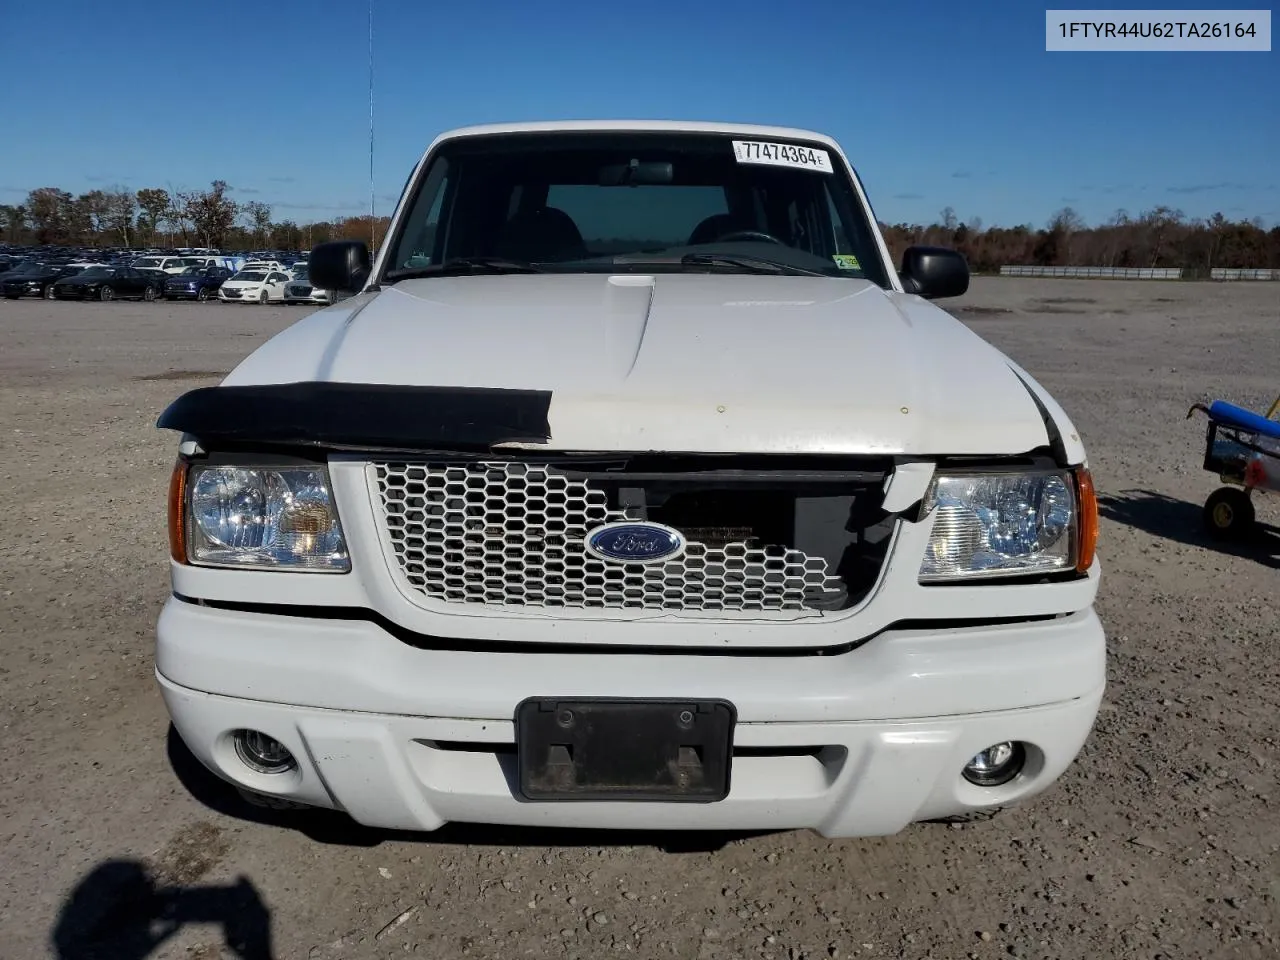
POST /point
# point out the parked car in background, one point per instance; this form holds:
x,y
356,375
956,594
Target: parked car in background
x,y
14,267
254,286
167,264
265,265
231,264
108,283
196,283
36,282
159,276
300,290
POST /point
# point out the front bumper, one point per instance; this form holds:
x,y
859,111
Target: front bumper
x,y
861,743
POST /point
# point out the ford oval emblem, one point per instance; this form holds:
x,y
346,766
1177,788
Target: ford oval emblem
x,y
634,541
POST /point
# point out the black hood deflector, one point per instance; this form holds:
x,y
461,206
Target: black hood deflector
x,y
361,416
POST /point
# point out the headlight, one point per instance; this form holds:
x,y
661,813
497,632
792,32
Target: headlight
x,y
1009,524
269,517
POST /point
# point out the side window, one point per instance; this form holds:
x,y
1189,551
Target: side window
x,y
420,240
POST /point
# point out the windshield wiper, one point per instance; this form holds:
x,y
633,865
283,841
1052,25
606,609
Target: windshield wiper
x,y
754,264
464,265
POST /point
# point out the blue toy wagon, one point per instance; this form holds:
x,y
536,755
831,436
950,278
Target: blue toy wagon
x,y
1243,449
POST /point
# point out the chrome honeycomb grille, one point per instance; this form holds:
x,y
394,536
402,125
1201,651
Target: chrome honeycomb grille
x,y
511,534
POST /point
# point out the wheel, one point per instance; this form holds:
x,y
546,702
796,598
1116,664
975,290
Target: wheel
x,y
149,294
202,294
748,235
105,294
262,297
48,293
1228,513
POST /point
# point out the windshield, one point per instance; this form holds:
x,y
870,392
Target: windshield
x,y
299,273
147,262
601,202
98,272
254,277
193,272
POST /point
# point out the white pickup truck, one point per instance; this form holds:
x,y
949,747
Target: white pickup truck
x,y
631,486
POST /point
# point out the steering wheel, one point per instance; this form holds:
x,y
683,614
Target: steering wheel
x,y
749,235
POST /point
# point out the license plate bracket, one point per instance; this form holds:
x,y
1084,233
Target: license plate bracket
x,y
624,749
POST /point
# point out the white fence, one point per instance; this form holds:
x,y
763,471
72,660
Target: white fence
x,y
1111,273
1231,273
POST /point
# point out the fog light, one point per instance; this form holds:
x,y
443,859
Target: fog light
x,y
262,753
997,764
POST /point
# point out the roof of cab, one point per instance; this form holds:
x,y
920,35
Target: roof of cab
x,y
686,126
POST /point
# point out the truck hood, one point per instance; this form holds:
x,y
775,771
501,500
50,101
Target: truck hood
x,y
681,362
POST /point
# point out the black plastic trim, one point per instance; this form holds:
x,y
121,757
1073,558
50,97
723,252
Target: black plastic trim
x,y
360,416
458,645
1056,444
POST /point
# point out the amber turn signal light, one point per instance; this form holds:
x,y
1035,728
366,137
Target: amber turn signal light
x,y
177,511
1088,499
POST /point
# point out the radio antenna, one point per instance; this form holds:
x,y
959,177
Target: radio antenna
x,y
373,223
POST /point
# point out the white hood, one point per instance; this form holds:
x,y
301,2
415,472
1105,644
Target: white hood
x,y
680,362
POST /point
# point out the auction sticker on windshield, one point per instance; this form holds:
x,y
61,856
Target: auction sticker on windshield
x,y
782,155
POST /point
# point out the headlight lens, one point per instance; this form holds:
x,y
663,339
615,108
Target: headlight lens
x,y
1001,524
264,517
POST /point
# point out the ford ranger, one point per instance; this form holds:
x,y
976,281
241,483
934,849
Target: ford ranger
x,y
630,485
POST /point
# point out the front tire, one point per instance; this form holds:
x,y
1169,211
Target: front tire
x,y
202,294
48,293
262,297
106,294
149,294
1228,514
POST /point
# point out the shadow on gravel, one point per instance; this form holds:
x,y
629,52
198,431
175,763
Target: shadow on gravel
x,y
120,912
1170,519
332,827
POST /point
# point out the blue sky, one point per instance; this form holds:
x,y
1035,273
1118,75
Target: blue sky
x,y
937,103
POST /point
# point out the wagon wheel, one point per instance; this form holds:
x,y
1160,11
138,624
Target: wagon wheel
x,y
1228,514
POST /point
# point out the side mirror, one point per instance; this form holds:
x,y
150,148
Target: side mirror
x,y
934,272
340,265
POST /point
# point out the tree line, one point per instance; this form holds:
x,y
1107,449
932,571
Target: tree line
x,y
155,217
1159,237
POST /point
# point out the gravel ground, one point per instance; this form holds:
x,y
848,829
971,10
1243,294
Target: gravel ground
x,y
1160,841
